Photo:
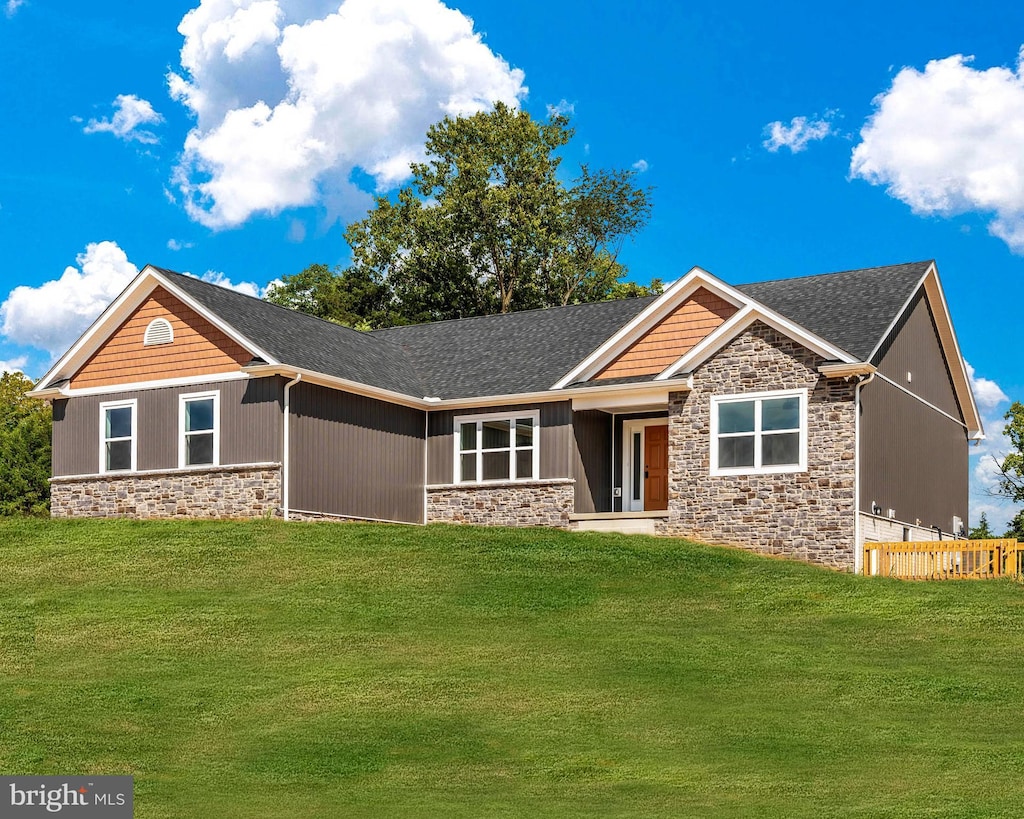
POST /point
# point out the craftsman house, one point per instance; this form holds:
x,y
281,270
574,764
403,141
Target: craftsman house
x,y
795,416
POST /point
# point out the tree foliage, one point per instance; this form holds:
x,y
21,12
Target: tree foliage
x,y
1011,468
1016,529
485,226
982,531
25,426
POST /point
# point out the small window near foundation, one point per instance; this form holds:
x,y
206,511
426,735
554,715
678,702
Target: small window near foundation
x,y
159,331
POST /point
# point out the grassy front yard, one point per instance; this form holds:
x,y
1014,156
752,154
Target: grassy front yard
x,y
271,670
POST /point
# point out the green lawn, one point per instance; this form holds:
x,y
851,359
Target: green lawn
x,y
272,670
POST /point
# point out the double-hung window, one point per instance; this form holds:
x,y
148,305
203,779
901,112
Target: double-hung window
x,y
497,447
118,436
759,433
199,425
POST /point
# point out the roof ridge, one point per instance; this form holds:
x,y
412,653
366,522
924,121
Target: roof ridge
x,y
836,272
289,310
512,313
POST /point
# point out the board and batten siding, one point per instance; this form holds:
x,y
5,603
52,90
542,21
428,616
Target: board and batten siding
x,y
556,439
592,460
355,456
914,457
250,429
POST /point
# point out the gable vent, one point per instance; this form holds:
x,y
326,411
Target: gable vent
x,y
159,331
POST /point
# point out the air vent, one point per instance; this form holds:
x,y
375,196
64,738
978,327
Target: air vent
x,y
159,331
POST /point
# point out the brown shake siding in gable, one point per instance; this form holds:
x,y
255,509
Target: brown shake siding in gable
x,y
250,425
198,348
673,336
355,456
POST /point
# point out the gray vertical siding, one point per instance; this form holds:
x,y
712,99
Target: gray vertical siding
x,y
250,425
355,456
913,347
592,460
913,459
556,439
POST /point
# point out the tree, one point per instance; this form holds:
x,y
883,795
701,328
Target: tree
x,y
485,226
1011,468
25,427
982,530
1016,530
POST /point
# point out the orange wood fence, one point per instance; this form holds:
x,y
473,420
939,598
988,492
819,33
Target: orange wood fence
x,y
945,559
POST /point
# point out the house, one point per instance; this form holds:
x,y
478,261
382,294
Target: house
x,y
796,416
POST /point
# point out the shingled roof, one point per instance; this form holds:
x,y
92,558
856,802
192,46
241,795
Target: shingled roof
x,y
529,351
851,309
305,341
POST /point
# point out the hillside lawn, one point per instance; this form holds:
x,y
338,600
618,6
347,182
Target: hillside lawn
x,y
315,670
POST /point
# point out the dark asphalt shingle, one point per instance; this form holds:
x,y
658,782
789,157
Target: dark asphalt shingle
x,y
531,350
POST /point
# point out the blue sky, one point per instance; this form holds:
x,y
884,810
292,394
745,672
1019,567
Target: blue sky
x,y
233,139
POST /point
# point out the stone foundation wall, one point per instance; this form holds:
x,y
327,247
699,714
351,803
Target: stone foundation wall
x,y
808,515
216,492
537,503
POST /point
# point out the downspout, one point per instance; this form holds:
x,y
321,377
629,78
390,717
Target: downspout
x,y
284,454
858,545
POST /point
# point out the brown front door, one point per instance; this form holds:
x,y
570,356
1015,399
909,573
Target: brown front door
x,y
655,468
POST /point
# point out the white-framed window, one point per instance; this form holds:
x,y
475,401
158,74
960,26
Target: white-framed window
x,y
199,429
158,331
503,447
761,432
118,436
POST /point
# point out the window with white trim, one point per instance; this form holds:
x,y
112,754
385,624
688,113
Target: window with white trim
x,y
199,429
158,331
759,433
117,436
497,447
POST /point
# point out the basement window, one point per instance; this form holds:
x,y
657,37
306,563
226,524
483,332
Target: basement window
x,y
490,448
759,433
158,331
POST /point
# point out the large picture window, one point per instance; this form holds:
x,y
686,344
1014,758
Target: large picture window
x,y
117,436
496,448
199,422
759,433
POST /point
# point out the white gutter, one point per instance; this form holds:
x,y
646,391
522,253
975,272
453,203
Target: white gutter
x,y
285,460
858,546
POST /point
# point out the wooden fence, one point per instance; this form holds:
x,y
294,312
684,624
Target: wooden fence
x,y
945,559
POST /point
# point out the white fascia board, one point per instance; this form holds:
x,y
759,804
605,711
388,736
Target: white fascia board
x,y
135,386
115,314
213,318
636,400
731,328
950,347
334,382
629,333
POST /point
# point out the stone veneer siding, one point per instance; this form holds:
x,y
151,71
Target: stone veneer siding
x,y
534,503
217,492
807,515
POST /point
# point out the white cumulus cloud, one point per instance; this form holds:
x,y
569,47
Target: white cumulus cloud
x,y
290,96
13,365
641,166
219,279
12,6
799,133
52,316
949,140
984,472
130,112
